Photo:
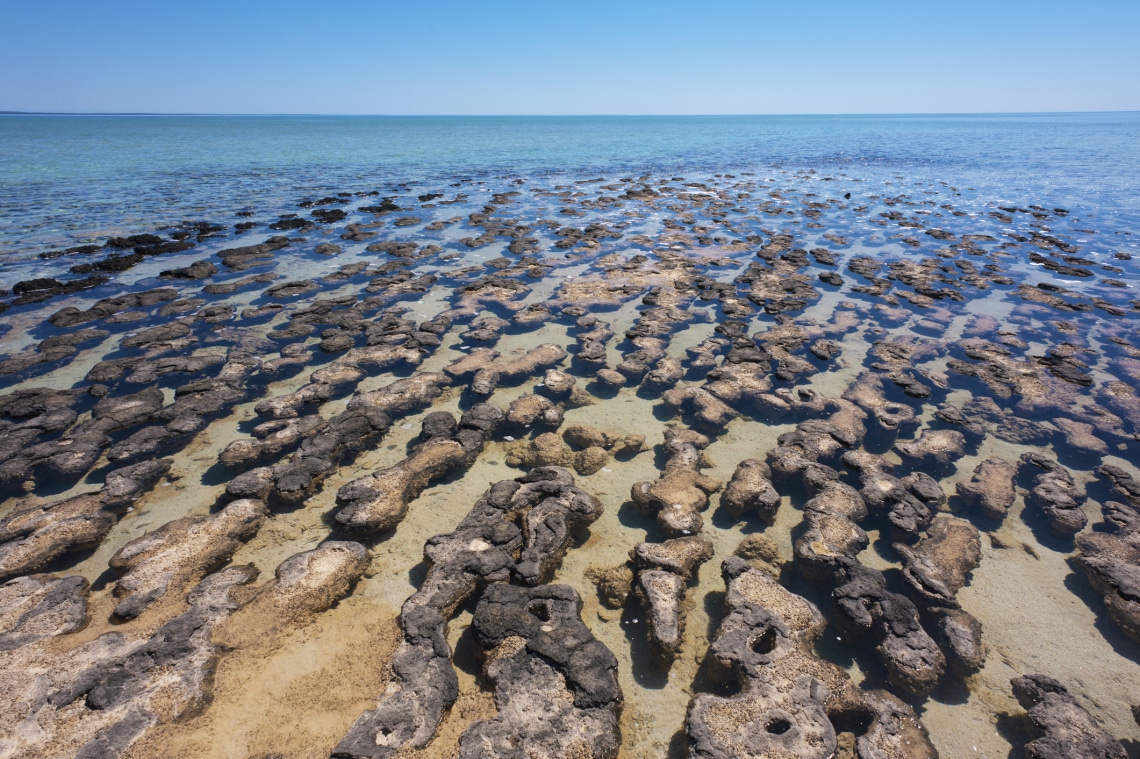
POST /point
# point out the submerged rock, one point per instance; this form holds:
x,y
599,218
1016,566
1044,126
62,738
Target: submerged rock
x,y
936,449
991,490
1055,494
35,534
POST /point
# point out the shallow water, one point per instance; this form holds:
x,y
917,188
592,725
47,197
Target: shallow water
x,y
774,176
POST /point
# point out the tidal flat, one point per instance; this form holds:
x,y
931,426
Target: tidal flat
x,y
753,464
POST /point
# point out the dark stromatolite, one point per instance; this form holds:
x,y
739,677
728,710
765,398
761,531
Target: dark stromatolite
x,y
663,573
937,567
991,490
482,549
750,489
540,652
1055,494
1066,730
791,702
379,501
681,492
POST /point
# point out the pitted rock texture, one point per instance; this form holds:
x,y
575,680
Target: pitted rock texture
x,y
1055,494
751,490
664,570
681,493
991,490
487,547
556,687
1067,730
937,567
789,698
41,606
379,501
179,553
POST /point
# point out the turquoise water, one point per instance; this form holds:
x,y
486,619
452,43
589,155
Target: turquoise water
x,y
71,179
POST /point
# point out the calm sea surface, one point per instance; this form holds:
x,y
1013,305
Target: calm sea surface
x,y
71,179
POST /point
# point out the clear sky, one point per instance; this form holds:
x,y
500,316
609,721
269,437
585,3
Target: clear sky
x,y
569,57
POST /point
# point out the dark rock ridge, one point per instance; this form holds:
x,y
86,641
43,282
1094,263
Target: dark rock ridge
x,y
481,550
538,652
791,703
379,501
1066,730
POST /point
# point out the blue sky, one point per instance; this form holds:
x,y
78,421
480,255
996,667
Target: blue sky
x,y
570,57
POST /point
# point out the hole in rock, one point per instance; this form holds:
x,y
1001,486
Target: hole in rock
x,y
778,726
765,643
540,610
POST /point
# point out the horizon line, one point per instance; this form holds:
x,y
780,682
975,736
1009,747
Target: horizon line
x,y
560,115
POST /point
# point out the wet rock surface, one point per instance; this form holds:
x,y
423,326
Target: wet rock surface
x,y
682,492
991,491
379,501
664,570
180,552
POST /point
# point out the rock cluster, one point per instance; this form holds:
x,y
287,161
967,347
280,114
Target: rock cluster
x,y
556,687
379,501
791,703
663,573
488,546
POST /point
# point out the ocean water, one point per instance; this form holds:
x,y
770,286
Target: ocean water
x,y
912,250
67,179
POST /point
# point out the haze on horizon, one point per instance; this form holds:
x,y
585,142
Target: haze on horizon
x,y
587,57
